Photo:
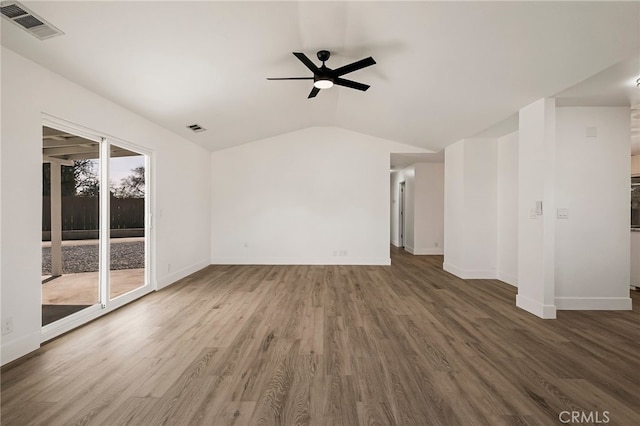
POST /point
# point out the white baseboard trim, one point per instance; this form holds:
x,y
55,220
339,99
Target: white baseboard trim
x,y
299,261
395,243
535,307
470,274
508,278
178,275
593,303
425,251
14,349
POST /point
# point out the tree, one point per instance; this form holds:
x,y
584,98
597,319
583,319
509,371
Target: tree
x,y
82,180
87,182
132,186
79,179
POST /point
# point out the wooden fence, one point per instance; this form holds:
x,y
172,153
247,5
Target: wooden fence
x,y
83,213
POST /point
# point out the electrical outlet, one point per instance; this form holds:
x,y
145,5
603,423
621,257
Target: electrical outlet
x,y
7,325
168,267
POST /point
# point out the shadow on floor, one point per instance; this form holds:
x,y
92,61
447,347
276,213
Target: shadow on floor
x,y
52,313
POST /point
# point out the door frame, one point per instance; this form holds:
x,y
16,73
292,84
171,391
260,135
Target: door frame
x,y
105,305
401,214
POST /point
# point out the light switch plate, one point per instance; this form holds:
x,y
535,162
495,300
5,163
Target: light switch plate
x,y
563,213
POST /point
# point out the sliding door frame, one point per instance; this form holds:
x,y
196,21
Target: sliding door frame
x,y
105,304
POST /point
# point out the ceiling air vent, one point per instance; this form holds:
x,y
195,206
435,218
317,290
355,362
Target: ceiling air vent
x,y
196,128
28,21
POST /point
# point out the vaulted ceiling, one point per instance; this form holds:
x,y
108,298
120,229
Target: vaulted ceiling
x,y
445,70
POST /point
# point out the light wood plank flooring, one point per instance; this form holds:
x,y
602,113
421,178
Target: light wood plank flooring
x,y
407,344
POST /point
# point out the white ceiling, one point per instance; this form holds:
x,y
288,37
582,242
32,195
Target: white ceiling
x,y
445,70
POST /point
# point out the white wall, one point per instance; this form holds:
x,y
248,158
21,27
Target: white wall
x,y
180,198
507,261
428,209
592,182
491,190
536,234
471,208
575,159
316,196
454,206
481,179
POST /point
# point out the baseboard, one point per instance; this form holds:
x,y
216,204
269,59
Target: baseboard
x,y
14,349
470,274
395,243
508,278
299,261
535,307
431,251
593,303
178,275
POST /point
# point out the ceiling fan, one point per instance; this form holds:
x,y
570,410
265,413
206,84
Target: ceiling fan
x,y
324,78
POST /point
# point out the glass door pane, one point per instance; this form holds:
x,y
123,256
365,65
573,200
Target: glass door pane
x,y
70,224
127,171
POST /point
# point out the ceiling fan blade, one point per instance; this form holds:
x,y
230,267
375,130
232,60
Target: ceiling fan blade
x,y
305,60
313,93
289,78
355,66
350,84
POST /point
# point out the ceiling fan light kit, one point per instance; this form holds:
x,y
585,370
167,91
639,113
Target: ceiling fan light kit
x,y
325,78
323,83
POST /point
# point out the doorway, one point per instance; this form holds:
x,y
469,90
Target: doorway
x,y
95,231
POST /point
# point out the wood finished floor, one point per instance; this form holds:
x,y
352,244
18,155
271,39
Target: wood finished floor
x,y
407,344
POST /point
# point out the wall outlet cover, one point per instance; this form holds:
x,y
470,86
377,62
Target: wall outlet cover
x,y
7,325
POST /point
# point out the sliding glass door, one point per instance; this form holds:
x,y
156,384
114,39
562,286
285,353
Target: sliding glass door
x,y
95,228
70,224
127,225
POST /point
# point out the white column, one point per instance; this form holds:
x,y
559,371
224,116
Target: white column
x,y
536,209
470,222
592,189
56,219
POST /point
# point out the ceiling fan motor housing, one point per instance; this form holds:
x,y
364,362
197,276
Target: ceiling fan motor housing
x,y
323,55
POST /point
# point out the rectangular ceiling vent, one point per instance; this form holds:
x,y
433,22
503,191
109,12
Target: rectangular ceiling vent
x,y
196,128
28,21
